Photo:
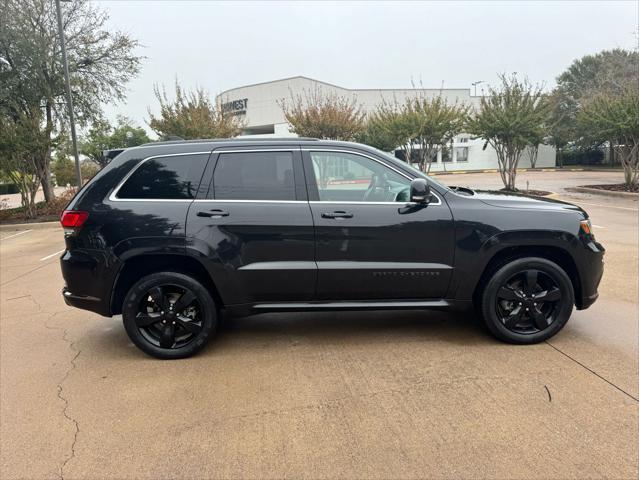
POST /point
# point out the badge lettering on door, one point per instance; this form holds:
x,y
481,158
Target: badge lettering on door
x,y
404,273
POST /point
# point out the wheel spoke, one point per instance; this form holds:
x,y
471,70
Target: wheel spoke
x,y
167,338
186,299
530,282
507,293
158,297
145,320
539,319
513,318
551,295
189,326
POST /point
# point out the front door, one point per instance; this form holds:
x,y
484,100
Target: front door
x,y
254,226
371,244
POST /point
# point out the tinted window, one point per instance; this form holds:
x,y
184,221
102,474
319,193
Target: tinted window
x,y
254,176
344,177
166,178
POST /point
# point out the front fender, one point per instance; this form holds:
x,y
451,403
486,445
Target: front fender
x,y
470,263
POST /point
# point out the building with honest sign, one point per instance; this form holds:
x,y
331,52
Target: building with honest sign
x,y
258,105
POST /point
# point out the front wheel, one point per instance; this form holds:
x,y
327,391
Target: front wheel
x,y
169,315
527,301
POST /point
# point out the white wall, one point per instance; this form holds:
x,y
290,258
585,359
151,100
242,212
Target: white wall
x,y
480,159
263,108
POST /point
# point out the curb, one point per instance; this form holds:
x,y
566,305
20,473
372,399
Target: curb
x,y
607,193
494,170
460,172
10,227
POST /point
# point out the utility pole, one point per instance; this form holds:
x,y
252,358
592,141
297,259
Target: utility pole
x,y
74,139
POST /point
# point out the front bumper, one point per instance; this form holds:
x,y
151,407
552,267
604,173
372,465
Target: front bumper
x,y
591,268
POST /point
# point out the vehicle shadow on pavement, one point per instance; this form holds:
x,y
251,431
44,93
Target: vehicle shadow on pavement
x,y
277,330
355,327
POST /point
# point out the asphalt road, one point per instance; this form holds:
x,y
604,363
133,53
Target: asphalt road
x,y
334,395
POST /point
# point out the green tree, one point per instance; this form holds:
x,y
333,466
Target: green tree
x,y
615,117
64,170
560,130
97,139
102,136
101,61
419,128
191,115
319,115
88,169
432,123
22,143
606,72
509,119
537,138
379,132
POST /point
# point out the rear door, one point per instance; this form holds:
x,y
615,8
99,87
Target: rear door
x,y
253,227
371,244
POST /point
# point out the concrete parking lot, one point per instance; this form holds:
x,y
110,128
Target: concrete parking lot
x,y
333,395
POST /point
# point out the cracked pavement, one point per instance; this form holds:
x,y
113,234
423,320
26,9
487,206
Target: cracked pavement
x,y
333,395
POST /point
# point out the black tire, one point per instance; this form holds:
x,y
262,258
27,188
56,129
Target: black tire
x,y
158,329
527,300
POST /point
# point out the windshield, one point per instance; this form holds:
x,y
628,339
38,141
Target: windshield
x,y
415,171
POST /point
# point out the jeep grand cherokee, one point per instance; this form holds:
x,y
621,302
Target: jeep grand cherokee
x,y
170,234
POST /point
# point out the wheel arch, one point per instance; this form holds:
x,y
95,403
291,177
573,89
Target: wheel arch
x,y
142,265
507,254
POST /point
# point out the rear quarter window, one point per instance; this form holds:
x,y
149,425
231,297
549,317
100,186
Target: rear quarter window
x,y
167,178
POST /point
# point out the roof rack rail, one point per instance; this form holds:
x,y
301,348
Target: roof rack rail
x,y
243,139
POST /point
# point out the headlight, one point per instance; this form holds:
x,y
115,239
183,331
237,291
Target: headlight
x,y
585,227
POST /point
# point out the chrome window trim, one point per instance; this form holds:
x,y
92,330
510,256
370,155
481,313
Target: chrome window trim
x,y
439,200
275,149
355,202
114,198
221,200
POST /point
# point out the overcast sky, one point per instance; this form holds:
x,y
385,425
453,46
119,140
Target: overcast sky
x,y
361,44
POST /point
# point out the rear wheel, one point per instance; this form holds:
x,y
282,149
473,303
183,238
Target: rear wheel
x,y
527,300
169,315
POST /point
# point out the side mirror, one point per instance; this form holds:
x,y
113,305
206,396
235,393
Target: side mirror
x,y
419,191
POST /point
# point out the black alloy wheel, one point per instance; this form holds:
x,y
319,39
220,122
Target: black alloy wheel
x,y
527,300
169,315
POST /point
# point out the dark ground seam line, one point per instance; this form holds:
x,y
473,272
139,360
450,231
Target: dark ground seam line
x,y
60,389
25,274
593,372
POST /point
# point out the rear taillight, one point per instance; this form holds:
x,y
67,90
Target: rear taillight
x,y
73,218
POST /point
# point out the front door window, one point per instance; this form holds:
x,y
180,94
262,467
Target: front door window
x,y
347,177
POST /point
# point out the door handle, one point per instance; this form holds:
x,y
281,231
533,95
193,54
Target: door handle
x,y
339,214
213,213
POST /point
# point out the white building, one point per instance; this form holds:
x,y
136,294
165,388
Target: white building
x,y
259,107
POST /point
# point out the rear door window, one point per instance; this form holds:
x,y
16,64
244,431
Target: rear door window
x,y
168,178
266,175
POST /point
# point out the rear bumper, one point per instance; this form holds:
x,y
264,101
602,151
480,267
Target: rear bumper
x,y
88,280
85,302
